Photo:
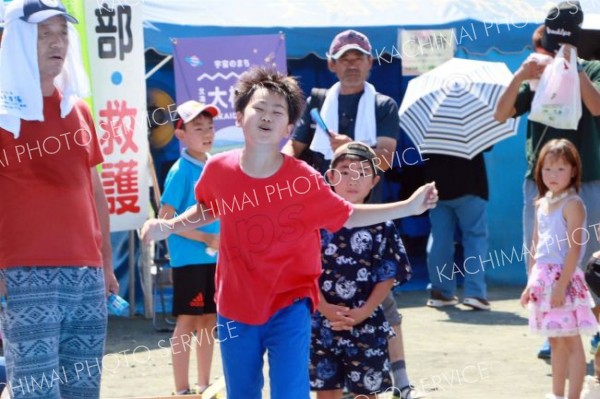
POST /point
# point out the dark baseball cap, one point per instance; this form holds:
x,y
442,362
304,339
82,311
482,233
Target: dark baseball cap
x,y
36,11
562,25
358,149
349,40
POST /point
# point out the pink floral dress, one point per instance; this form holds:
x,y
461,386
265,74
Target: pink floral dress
x,y
575,317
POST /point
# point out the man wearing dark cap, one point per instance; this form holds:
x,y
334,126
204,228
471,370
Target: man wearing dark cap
x,y
55,255
562,27
351,109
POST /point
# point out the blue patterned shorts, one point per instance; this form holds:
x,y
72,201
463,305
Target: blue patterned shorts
x,y
54,325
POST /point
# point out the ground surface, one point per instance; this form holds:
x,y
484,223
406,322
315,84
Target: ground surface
x,y
454,353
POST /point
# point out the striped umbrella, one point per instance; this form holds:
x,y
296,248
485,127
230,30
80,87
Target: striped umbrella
x,y
449,110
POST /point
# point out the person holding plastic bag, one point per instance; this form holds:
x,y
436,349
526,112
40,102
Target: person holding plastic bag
x,y
557,99
561,30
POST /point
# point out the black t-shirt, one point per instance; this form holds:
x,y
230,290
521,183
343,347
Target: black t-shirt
x,y
455,177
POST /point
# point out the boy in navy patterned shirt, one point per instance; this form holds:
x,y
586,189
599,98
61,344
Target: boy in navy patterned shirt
x,y
360,266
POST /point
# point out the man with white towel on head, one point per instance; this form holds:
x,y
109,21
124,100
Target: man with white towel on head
x,y
55,256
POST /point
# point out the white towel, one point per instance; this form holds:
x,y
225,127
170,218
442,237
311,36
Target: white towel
x,y
365,127
20,86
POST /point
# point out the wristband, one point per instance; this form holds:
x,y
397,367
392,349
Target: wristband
x,y
579,67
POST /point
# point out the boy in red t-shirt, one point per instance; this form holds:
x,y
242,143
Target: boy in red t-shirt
x,y
271,207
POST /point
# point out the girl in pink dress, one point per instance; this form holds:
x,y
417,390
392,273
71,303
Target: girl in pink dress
x,y
559,301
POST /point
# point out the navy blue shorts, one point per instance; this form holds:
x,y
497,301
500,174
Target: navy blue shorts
x,y
357,359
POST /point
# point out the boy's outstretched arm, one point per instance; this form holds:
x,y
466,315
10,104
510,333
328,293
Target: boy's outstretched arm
x,y
159,229
424,198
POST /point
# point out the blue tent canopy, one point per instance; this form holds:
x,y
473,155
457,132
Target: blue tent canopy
x,y
309,25
474,37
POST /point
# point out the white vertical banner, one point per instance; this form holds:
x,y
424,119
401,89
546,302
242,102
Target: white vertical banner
x,y
116,56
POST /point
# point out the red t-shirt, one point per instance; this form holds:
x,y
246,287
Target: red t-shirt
x,y
270,247
48,214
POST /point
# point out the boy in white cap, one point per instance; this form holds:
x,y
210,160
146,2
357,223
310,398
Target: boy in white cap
x,y
192,253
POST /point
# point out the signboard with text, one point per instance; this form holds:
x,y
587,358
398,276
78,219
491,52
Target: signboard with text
x,y
207,69
423,50
116,56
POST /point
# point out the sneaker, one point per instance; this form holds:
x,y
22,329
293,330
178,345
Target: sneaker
x,y
408,392
545,351
187,392
477,303
437,300
594,342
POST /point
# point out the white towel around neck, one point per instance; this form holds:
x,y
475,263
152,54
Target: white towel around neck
x,y
20,85
365,127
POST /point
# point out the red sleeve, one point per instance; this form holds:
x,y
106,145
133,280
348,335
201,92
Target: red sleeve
x,y
327,210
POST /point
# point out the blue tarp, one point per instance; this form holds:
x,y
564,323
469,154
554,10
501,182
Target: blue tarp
x,y
472,36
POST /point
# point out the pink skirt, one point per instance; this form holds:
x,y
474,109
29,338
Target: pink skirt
x,y
575,317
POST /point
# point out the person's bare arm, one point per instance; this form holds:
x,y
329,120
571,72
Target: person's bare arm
x,y
590,94
505,109
336,314
195,216
531,247
574,214
424,198
166,211
380,291
384,149
110,281
294,148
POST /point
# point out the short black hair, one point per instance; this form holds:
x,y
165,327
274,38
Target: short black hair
x,y
274,82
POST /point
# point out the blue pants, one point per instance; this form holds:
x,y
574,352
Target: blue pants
x,y
286,339
469,212
54,324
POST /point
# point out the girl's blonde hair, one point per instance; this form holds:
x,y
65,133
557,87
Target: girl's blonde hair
x,y
556,149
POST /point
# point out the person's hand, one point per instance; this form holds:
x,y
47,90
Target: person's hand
x,y
424,198
525,298
358,315
110,282
211,240
337,140
154,230
532,68
558,296
337,316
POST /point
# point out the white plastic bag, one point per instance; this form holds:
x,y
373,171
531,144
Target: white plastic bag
x,y
557,100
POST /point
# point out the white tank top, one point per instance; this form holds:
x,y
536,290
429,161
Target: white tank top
x,y
553,239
